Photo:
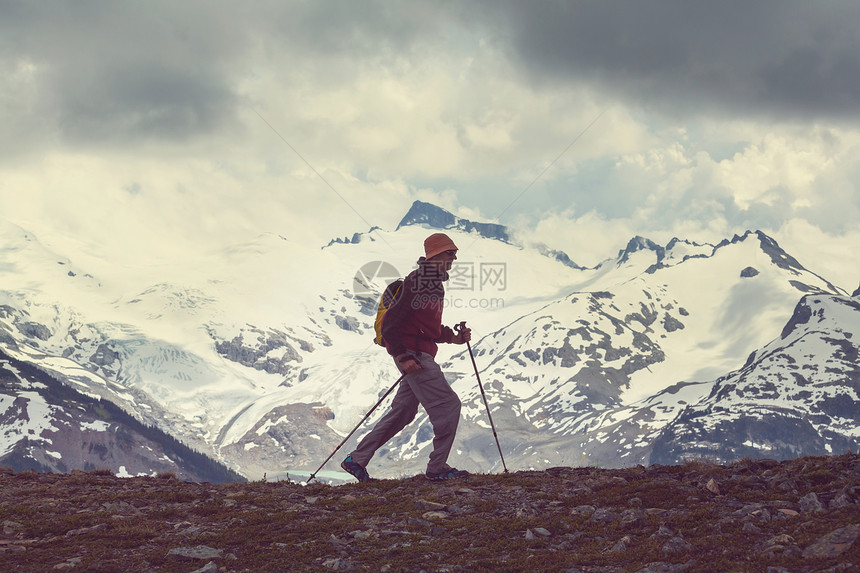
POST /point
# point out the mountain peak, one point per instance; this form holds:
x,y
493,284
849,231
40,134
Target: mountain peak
x,y
770,247
777,255
421,213
639,243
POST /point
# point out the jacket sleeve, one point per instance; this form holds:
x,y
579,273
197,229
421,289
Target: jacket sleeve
x,y
395,317
447,335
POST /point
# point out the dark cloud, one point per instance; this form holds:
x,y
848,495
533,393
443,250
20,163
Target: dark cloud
x,y
778,57
170,71
103,73
143,102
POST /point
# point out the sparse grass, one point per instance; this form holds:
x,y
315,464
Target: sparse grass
x,y
102,472
110,524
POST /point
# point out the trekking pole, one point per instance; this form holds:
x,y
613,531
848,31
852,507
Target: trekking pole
x,y
366,416
459,328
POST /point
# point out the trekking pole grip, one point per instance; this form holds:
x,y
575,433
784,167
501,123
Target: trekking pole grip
x,y
458,328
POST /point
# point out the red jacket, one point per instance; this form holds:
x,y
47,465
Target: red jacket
x,y
414,322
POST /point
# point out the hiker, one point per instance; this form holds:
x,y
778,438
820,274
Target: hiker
x,y
411,329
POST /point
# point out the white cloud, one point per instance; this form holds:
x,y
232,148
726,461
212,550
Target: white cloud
x,y
829,255
587,239
137,129
774,162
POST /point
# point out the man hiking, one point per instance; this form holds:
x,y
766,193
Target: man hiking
x,y
411,329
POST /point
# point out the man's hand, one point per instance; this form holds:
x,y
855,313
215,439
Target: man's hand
x,y
408,364
463,335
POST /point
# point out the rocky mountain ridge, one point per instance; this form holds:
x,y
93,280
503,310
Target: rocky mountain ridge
x,y
801,516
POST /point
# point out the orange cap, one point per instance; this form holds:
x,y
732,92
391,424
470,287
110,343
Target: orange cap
x,y
438,243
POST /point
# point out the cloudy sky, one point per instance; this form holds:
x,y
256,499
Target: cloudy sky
x,y
157,129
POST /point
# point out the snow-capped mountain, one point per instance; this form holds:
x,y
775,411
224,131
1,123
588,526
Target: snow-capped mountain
x,y
427,214
799,395
48,426
262,355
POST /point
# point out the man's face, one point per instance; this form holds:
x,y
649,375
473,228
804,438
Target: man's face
x,y
445,259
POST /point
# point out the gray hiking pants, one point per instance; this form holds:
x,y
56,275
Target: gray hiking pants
x,y
429,388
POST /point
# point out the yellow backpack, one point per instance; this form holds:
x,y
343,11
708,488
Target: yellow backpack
x,y
386,301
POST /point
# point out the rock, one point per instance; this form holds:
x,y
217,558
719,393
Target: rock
x,y
458,509
783,544
358,534
210,567
840,501
70,564
676,545
542,532
424,505
783,539
83,530
712,487
34,330
104,356
788,512
632,518
348,323
750,527
255,351
661,567
198,552
748,509
526,511
621,545
663,532
604,516
339,564
833,544
583,510
762,515
810,504
435,515
11,527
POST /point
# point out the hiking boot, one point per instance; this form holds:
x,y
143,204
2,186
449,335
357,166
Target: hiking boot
x,y
448,474
355,469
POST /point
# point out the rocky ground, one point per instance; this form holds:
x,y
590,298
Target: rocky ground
x,y
753,515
